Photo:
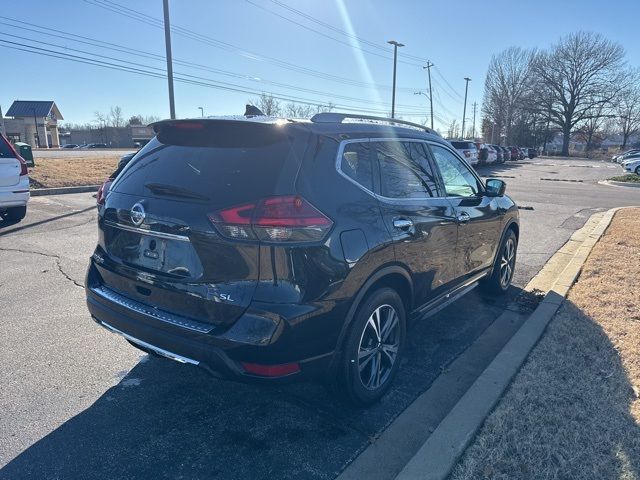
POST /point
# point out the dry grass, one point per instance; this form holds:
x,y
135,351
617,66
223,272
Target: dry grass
x,y
573,410
67,172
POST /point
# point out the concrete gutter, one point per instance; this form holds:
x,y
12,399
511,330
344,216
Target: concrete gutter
x,y
443,448
35,192
613,183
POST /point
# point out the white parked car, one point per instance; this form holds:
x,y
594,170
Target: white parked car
x,y
14,183
632,165
467,150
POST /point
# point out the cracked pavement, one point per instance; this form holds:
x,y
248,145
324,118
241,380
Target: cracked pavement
x,y
77,401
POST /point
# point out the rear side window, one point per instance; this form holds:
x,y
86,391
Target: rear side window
x,y
405,171
5,149
356,164
229,163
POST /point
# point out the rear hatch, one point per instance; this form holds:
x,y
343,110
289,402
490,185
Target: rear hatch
x,y
9,165
159,244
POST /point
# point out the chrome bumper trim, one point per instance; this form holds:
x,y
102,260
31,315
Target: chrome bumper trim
x,y
152,312
160,351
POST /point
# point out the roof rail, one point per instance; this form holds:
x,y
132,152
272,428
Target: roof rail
x,y
336,117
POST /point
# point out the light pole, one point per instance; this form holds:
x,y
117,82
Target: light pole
x,y
464,111
167,43
201,111
395,62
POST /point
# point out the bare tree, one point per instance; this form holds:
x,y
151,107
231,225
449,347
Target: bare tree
x,y
628,112
506,88
268,105
580,72
115,117
298,110
454,130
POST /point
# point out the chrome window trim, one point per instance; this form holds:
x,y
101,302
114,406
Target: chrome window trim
x,y
144,231
341,148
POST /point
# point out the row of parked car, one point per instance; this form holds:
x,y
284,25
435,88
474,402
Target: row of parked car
x,y
477,153
84,145
630,160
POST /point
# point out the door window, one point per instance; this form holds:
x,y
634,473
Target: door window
x,y
356,164
405,171
458,179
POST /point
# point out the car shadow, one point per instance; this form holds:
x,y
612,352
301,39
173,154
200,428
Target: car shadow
x,y
167,420
4,223
497,169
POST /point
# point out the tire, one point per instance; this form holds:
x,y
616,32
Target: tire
x,y
503,266
638,170
15,214
360,382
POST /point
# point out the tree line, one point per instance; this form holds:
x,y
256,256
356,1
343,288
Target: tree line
x,y
582,85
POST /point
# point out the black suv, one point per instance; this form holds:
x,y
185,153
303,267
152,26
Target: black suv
x,y
277,249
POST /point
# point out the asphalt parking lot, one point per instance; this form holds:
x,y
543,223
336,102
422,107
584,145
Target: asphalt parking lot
x,y
79,402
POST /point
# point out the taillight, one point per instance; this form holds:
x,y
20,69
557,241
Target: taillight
x,y
23,166
23,163
287,218
102,192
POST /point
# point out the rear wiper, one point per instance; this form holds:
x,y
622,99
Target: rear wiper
x,y
173,191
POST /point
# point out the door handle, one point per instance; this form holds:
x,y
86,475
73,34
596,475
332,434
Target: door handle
x,y
402,223
463,217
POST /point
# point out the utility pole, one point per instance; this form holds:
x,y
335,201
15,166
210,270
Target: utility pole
x,y
395,62
473,127
428,67
35,124
464,111
167,42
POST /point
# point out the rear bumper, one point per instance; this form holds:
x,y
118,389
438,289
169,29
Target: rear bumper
x,y
220,353
15,195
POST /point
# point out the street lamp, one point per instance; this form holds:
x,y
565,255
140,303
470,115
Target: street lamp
x,y
201,111
395,62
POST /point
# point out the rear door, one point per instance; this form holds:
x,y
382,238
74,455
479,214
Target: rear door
x,y
9,165
478,216
420,220
159,227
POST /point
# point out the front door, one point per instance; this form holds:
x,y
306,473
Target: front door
x,y
478,216
420,220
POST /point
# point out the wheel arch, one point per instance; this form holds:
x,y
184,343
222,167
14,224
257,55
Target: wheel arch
x,y
393,276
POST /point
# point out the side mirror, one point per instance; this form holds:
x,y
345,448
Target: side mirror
x,y
495,187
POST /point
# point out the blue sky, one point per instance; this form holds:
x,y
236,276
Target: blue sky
x,y
235,37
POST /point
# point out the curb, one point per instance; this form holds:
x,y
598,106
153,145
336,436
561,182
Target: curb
x,y
36,192
613,183
442,450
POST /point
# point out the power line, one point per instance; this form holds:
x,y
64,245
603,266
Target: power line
x,y
181,31
343,32
179,77
358,47
152,56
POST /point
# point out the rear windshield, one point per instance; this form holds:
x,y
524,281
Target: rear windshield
x,y
211,163
463,145
5,151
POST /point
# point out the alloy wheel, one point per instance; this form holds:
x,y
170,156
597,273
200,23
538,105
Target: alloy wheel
x,y
378,348
507,262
